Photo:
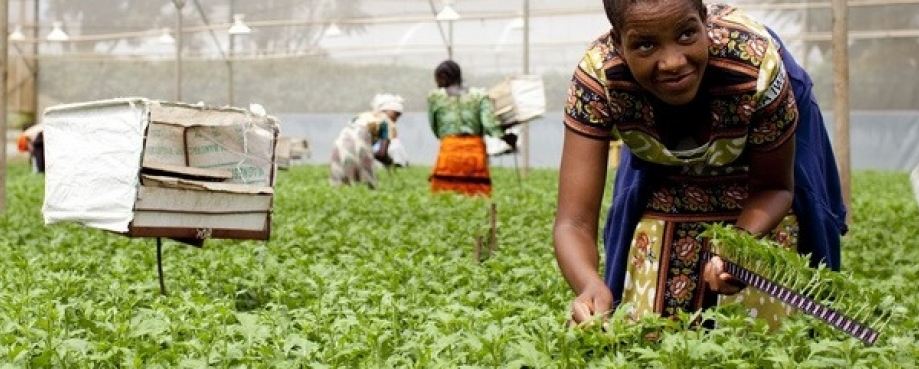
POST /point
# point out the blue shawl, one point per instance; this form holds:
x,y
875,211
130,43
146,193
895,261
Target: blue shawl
x,y
818,202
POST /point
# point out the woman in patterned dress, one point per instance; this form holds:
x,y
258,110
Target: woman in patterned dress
x,y
365,139
711,110
460,117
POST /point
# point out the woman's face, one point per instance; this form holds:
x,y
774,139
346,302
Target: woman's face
x,y
393,115
665,45
442,81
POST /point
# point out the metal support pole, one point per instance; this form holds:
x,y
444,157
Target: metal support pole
x,y
440,29
33,107
4,59
231,84
450,40
807,33
841,98
179,30
516,167
525,130
20,99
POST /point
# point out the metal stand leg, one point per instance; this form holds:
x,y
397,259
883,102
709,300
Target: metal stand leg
x,y
516,168
159,264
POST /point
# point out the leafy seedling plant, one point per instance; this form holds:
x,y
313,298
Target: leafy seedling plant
x,y
830,296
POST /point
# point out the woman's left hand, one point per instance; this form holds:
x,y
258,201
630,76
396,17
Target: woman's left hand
x,y
718,280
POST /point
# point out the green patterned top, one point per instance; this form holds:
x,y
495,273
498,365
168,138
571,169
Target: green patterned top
x,y
471,113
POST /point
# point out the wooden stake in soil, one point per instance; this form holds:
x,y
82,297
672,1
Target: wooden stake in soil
x,y
159,264
478,248
493,230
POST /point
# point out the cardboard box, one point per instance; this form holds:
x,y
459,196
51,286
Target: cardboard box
x,y
299,149
291,150
147,168
519,98
283,151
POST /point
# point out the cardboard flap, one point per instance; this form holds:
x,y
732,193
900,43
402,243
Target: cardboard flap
x,y
189,184
200,174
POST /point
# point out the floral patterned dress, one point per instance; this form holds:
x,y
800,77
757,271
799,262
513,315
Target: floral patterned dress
x,y
747,99
352,155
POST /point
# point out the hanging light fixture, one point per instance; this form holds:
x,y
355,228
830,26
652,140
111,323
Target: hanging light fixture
x,y
17,34
332,31
57,33
166,37
447,13
239,27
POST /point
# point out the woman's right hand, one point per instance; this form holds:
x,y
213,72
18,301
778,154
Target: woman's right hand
x,y
595,299
582,178
508,124
718,280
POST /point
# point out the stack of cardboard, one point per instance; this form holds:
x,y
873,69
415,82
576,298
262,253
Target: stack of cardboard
x,y
147,168
519,98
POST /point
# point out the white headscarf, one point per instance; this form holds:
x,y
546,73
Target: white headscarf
x,y
382,102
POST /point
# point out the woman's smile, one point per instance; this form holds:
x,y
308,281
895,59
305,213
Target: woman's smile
x,y
666,49
677,83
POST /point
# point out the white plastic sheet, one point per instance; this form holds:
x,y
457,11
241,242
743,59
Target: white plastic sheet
x,y
92,157
95,150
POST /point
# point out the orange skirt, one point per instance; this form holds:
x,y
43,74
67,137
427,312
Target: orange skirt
x,y
462,166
